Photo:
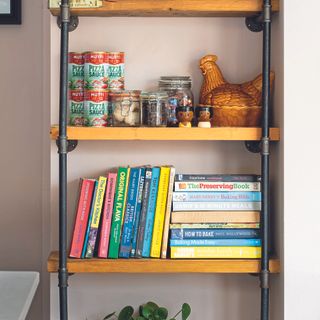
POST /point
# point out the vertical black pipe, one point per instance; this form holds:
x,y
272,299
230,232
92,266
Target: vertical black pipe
x,y
63,143
265,161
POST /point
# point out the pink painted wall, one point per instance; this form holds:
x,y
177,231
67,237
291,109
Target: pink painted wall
x,y
23,123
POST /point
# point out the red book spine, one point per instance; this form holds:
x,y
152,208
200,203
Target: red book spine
x,y
107,216
84,204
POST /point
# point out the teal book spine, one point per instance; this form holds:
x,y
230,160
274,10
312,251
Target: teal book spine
x,y
150,213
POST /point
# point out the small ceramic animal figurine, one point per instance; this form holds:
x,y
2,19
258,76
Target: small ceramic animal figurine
x,y
216,90
204,115
184,115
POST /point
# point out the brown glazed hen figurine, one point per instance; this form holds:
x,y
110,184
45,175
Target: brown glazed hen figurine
x,y
216,91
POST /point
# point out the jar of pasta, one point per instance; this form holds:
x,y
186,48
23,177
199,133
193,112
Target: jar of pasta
x,y
124,108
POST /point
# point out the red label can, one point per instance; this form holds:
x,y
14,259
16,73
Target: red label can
x,y
76,58
76,108
96,57
96,108
116,71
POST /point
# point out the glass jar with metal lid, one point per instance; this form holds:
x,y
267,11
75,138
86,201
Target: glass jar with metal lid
x,y
154,107
124,108
179,93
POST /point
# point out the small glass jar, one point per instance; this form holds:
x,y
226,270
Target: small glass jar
x,y
179,93
124,108
154,107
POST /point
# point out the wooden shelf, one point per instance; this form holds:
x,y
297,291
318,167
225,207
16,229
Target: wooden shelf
x,y
161,265
178,134
163,8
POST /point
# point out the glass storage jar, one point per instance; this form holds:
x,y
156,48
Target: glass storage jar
x,y
124,108
154,107
179,93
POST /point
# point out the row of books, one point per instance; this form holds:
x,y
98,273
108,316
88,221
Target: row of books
x,y
216,216
125,214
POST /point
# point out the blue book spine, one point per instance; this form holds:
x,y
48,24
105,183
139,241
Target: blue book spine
x,y
216,243
143,213
125,244
84,249
138,212
225,196
185,234
147,237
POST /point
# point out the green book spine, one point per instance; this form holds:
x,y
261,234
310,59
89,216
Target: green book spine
x,y
118,211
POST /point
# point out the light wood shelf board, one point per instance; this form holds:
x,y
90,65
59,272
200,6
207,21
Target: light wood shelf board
x,y
165,8
165,134
161,265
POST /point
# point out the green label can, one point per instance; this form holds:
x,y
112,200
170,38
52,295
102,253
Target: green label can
x,y
76,108
76,71
96,108
96,70
116,71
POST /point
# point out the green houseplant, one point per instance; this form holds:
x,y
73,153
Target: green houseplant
x,y
149,311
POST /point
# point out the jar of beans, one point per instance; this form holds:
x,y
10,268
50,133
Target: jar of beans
x,y
179,93
124,108
154,108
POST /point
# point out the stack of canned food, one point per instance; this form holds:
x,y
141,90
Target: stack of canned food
x,y
97,97
92,75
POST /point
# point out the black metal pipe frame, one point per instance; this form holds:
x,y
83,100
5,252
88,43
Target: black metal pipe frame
x,y
264,276
63,149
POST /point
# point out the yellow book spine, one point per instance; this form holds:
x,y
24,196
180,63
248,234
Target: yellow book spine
x,y
98,202
215,252
160,212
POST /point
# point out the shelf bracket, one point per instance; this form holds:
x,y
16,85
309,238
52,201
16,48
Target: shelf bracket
x,y
65,146
73,23
253,146
256,23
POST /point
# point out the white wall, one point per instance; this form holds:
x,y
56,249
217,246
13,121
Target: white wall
x,y
155,47
301,156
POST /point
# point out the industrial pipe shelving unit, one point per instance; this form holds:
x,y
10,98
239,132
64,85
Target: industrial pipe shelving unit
x,y
261,21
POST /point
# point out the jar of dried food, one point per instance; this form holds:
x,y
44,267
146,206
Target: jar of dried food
x,y
179,93
154,108
124,108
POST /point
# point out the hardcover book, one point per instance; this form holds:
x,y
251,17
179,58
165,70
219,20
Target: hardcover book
x,y
86,188
160,212
107,216
215,217
221,206
215,252
150,212
218,177
138,213
130,211
165,238
143,214
85,243
97,208
118,211
216,243
207,196
224,225
186,234
216,186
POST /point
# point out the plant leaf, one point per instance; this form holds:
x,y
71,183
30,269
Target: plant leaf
x,y
162,313
109,316
153,305
139,318
126,313
146,311
186,310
